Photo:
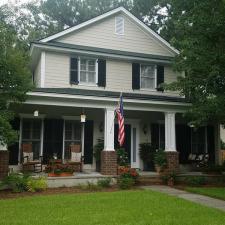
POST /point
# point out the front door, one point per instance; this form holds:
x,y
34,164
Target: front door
x,y
130,144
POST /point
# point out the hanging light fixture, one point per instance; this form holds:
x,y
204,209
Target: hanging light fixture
x,y
82,117
36,113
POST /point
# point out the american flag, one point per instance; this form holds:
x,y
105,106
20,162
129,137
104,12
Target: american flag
x,y
120,117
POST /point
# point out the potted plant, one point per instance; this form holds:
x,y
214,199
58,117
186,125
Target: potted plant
x,y
160,160
146,152
97,153
59,170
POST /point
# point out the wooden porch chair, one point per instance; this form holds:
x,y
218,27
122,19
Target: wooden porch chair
x,y
28,161
76,158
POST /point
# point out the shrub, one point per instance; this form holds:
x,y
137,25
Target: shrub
x,y
146,152
16,182
126,182
104,183
195,180
160,158
90,186
38,184
122,157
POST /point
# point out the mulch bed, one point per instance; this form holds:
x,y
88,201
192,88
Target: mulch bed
x,y
7,194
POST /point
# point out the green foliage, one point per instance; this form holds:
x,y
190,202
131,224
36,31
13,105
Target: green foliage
x,y
98,149
197,29
37,184
222,144
126,182
104,183
160,158
212,168
24,182
167,177
147,152
195,180
15,80
122,157
89,186
16,182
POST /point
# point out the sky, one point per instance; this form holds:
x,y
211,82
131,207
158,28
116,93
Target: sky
x,y
13,2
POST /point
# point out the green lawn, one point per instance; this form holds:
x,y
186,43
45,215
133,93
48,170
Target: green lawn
x,y
218,192
124,207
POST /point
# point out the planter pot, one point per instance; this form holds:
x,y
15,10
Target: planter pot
x,y
170,182
158,168
60,175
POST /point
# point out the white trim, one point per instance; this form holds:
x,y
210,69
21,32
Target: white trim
x,y
42,137
95,98
96,70
114,11
170,132
42,69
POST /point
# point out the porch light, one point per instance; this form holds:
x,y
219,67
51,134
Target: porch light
x,y
82,118
36,113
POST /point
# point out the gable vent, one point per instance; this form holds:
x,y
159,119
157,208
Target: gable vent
x,y
119,25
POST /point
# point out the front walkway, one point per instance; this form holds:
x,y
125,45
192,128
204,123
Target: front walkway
x,y
204,200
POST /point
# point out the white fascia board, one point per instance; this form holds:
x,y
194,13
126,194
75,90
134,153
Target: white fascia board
x,y
94,54
117,10
106,99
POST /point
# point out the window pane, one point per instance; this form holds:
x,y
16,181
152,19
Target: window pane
x,y
147,83
36,129
68,130
91,77
148,71
83,77
83,62
91,68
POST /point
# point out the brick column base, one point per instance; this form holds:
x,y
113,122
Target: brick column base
x,y
172,162
4,164
108,163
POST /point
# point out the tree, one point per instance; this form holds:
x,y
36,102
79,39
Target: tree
x,y
15,79
197,29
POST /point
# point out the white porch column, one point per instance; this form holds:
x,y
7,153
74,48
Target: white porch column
x,y
170,133
109,130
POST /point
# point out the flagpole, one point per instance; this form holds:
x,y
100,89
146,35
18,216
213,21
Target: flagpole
x,y
115,112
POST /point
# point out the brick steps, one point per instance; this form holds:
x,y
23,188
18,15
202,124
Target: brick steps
x,y
150,180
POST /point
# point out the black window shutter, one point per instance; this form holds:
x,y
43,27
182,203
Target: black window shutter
x,y
101,72
135,76
160,77
88,142
74,71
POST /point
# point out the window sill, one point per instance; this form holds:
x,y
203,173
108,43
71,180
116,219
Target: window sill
x,y
87,84
148,89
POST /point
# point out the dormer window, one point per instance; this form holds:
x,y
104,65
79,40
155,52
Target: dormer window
x,y
119,25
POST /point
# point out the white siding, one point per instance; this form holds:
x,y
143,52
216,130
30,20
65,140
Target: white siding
x,y
118,75
37,75
102,35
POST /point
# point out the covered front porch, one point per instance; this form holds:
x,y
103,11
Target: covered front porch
x,y
58,126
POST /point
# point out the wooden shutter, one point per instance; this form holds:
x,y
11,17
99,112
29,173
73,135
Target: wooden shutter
x,y
74,71
88,142
155,135
160,77
101,72
135,76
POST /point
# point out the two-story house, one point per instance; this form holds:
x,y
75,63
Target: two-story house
x,y
82,71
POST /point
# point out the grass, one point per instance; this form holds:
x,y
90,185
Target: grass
x,y
218,192
124,207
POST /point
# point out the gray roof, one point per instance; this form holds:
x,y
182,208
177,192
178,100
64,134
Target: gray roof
x,y
110,94
104,50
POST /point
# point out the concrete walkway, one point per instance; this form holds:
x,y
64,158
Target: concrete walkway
x,y
201,199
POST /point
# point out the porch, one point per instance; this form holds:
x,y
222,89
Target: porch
x,y
53,132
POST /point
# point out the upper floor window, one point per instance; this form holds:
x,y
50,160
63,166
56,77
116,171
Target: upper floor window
x,y
119,25
148,76
88,71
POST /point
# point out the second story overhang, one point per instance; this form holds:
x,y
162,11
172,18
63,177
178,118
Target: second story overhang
x,y
71,49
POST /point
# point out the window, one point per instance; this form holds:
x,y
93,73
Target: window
x,y
148,76
119,25
72,135
88,71
31,133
